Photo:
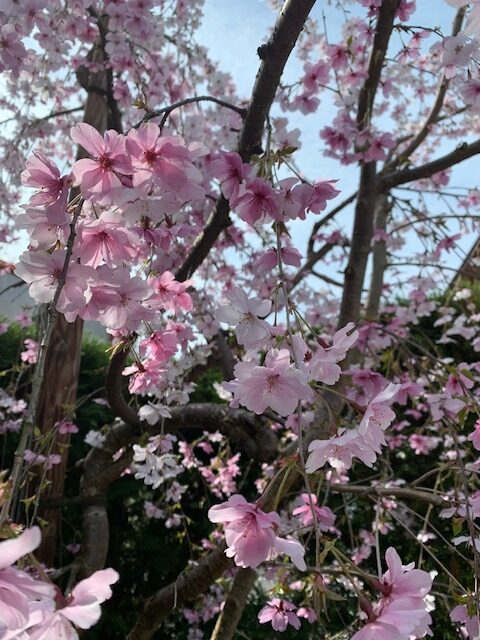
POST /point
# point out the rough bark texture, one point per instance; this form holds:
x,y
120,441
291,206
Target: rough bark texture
x,y
360,246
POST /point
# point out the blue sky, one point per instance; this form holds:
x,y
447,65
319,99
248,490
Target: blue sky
x,y
233,29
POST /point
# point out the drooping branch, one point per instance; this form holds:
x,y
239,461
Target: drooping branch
x,y
248,434
312,260
113,386
274,56
166,111
433,116
158,607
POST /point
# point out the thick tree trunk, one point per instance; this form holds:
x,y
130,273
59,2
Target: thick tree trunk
x,y
59,391
379,259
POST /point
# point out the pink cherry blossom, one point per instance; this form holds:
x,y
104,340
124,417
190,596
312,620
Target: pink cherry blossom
x,y
99,177
255,200
402,611
317,364
161,160
308,613
81,607
42,270
280,613
316,75
460,614
41,173
12,51
247,314
18,589
339,451
30,354
170,294
160,345
474,437
378,417
67,426
105,240
324,516
125,309
278,384
268,260
230,169
145,376
250,534
342,341
422,445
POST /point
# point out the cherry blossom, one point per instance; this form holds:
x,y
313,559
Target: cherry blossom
x,y
99,178
280,613
460,614
474,437
250,534
324,516
161,160
402,611
19,590
247,314
278,384
339,451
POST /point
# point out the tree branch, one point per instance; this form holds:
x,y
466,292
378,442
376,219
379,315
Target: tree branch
x,y
433,116
462,152
31,416
379,263
166,111
326,218
307,268
229,617
397,492
274,56
383,32
248,434
189,584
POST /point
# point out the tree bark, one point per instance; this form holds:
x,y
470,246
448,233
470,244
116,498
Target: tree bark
x,y
379,262
229,617
364,211
59,390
